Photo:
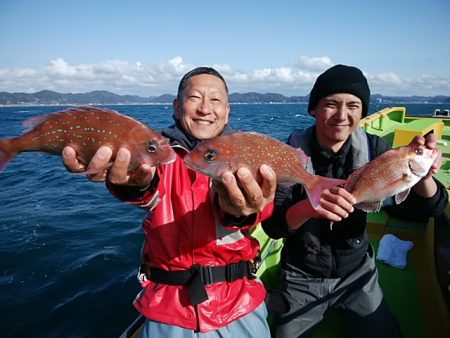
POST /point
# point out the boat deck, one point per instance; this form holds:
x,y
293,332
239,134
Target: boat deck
x,y
413,293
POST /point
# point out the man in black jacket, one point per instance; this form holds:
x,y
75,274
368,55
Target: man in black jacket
x,y
334,267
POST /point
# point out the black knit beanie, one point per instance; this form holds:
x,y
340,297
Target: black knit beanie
x,y
341,79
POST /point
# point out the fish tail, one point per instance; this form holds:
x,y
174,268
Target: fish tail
x,y
6,153
318,185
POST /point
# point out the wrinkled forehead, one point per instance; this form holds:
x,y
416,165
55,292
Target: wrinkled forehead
x,y
205,82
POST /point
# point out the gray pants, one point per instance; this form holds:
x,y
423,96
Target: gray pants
x,y
253,325
310,297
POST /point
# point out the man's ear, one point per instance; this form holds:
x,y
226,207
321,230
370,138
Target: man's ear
x,y
228,109
176,108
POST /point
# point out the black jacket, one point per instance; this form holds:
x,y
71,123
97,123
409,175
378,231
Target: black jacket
x,y
314,247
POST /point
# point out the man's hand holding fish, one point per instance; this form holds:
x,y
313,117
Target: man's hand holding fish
x,y
239,195
335,204
394,173
427,187
84,130
245,197
118,172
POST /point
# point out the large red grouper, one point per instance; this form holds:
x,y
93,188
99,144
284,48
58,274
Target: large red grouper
x,y
232,151
393,173
86,129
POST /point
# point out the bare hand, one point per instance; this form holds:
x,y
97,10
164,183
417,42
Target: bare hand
x,y
431,143
242,195
427,187
335,204
69,157
100,167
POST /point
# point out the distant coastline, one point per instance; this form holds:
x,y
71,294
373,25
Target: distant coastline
x,y
100,97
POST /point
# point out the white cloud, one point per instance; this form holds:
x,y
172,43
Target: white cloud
x,y
175,67
138,78
387,79
394,84
315,63
60,67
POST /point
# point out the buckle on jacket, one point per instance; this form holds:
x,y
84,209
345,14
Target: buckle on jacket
x,y
230,272
143,275
205,273
253,266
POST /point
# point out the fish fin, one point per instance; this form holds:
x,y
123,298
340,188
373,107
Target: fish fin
x,y
353,178
369,206
302,157
6,154
286,184
401,196
34,120
318,185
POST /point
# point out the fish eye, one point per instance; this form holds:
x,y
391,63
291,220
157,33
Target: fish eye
x,y
210,155
151,148
419,151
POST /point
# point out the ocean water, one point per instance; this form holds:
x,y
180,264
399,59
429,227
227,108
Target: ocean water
x,y
69,251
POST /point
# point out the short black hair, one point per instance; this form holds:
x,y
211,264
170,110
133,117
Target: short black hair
x,y
198,71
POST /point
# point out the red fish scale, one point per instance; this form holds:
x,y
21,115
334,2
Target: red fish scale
x,y
387,175
232,151
86,129
255,149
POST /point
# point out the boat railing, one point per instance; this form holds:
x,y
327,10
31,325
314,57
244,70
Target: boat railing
x,y
441,113
377,121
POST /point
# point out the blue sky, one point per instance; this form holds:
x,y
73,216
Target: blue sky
x,y
144,47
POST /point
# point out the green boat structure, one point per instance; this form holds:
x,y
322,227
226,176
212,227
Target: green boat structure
x,y
419,295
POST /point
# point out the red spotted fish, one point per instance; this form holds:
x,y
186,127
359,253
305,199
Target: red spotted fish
x,y
232,151
86,129
391,174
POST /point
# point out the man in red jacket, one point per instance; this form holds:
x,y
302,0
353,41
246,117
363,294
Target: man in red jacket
x,y
198,254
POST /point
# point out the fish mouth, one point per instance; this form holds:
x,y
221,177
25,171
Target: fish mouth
x,y
169,160
187,161
191,166
422,167
419,170
172,157
414,171
194,168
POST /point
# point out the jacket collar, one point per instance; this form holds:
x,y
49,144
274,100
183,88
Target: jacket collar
x,y
358,145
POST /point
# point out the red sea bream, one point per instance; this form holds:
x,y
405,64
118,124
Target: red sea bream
x,y
232,151
86,129
391,174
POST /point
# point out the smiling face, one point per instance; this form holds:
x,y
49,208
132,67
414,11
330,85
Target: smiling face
x,y
203,108
337,116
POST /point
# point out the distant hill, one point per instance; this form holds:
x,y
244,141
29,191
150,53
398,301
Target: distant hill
x,y
47,97
253,97
97,97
